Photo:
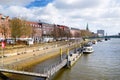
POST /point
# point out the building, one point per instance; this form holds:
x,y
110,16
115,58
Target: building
x,y
36,31
100,32
4,27
66,29
65,33
40,30
119,34
75,32
47,29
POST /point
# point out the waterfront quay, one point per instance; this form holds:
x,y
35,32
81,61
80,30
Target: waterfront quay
x,y
20,61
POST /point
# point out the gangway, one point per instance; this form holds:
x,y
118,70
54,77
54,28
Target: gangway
x,y
23,73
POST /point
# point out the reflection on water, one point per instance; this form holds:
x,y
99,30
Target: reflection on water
x,y
103,64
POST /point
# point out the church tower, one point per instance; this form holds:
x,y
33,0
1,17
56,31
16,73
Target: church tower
x,y
87,27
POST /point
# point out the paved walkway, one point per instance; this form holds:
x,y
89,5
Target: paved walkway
x,y
15,50
33,54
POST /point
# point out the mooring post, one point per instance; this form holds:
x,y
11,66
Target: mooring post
x,y
68,58
61,54
75,50
80,49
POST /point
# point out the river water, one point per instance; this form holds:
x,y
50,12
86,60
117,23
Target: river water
x,y
103,64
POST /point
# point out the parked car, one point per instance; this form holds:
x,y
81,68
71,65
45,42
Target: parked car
x,y
10,41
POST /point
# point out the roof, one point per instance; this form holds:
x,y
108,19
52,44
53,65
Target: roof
x,y
29,22
75,29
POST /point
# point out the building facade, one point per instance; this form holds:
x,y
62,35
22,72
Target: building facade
x,y
39,30
100,32
47,29
36,31
4,27
75,32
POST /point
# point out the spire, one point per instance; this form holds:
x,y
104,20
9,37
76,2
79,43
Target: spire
x,y
87,27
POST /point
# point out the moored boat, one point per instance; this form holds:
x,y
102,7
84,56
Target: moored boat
x,y
88,49
94,42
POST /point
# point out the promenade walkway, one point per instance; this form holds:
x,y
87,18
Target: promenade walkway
x,y
32,55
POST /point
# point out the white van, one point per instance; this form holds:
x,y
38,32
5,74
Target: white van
x,y
30,41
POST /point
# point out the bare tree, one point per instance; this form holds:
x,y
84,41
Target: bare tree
x,y
86,33
55,32
60,33
4,30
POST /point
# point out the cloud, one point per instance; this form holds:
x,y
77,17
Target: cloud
x,y
111,13
100,14
15,2
79,4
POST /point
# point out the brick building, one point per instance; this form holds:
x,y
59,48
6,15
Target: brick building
x,y
63,27
39,30
47,29
65,31
75,32
4,27
36,30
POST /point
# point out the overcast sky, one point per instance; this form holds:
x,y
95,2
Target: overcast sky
x,y
99,14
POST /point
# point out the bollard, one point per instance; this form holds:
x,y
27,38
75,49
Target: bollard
x,y
61,54
68,59
67,51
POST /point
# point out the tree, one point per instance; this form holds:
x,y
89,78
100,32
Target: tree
x,y
16,28
60,33
20,28
55,32
4,28
77,34
67,34
26,29
86,33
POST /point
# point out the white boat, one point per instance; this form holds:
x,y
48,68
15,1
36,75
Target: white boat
x,y
88,49
94,42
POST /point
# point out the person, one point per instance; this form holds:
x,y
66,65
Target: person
x,y
3,44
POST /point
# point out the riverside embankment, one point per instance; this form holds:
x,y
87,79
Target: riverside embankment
x,y
37,58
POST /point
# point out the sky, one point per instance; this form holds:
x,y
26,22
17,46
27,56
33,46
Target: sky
x,y
99,14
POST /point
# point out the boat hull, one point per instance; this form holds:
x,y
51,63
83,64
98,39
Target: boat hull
x,y
85,52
